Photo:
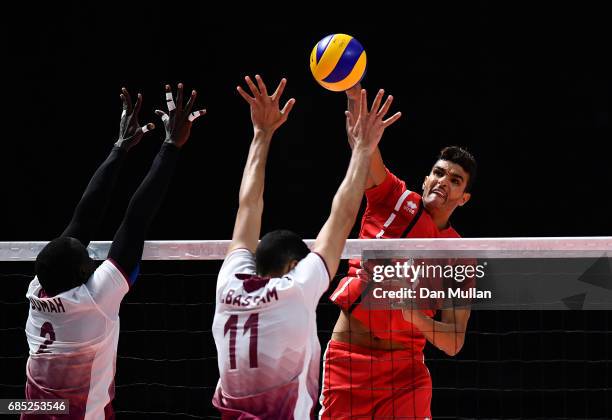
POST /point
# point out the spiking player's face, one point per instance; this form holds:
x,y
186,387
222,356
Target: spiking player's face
x,y
444,187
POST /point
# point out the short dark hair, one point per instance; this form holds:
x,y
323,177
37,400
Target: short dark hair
x,y
463,158
59,263
276,249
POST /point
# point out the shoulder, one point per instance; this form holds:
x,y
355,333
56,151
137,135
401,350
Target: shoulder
x,y
311,274
239,253
239,260
410,202
391,186
111,269
108,282
34,288
312,261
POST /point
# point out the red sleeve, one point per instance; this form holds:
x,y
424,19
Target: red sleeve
x,y
386,193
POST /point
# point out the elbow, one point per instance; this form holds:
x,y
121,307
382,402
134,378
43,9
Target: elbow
x,y
452,351
455,347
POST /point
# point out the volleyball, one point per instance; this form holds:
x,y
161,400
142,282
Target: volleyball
x,y
338,62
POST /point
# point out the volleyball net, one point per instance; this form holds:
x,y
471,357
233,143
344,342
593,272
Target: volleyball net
x,y
540,348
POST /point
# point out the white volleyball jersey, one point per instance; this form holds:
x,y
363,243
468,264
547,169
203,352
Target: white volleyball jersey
x,y
73,341
266,337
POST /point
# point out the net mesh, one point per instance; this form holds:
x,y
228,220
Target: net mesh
x,y
514,364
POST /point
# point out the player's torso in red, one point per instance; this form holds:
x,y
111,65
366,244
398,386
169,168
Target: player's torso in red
x,y
392,212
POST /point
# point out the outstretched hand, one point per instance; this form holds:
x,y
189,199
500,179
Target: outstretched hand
x,y
354,93
178,123
265,113
130,131
365,129
354,97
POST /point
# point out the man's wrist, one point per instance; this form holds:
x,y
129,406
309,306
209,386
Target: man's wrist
x,y
262,135
121,145
359,147
169,143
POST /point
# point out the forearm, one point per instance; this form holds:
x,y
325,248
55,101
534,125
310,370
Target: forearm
x,y
330,240
376,174
149,195
253,176
350,194
447,336
94,202
128,242
247,226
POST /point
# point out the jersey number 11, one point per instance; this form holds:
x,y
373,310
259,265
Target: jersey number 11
x,y
252,325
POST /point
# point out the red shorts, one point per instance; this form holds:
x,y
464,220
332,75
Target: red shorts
x,y
361,383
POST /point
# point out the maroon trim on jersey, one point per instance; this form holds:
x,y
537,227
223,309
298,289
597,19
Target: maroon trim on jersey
x,y
324,263
276,403
42,294
123,273
59,378
109,413
252,282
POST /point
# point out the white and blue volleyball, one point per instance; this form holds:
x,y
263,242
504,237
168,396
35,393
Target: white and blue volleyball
x,y
338,62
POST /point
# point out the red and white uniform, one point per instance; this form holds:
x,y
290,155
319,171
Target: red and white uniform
x,y
73,340
391,208
265,331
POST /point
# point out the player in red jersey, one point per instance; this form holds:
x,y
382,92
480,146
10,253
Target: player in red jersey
x,y
374,365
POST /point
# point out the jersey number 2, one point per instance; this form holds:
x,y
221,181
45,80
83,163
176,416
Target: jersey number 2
x,y
46,330
252,325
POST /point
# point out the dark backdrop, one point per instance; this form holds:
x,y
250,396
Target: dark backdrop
x,y
526,89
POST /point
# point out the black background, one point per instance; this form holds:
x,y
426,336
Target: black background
x,y
527,89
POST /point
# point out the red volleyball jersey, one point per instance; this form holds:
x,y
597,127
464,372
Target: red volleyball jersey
x,y
391,209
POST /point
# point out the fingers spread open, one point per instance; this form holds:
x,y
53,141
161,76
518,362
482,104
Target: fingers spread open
x,y
355,130
287,108
190,101
377,101
138,104
147,127
350,117
279,90
169,99
179,97
123,106
196,114
127,100
162,114
252,86
392,119
363,105
385,108
261,85
246,96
